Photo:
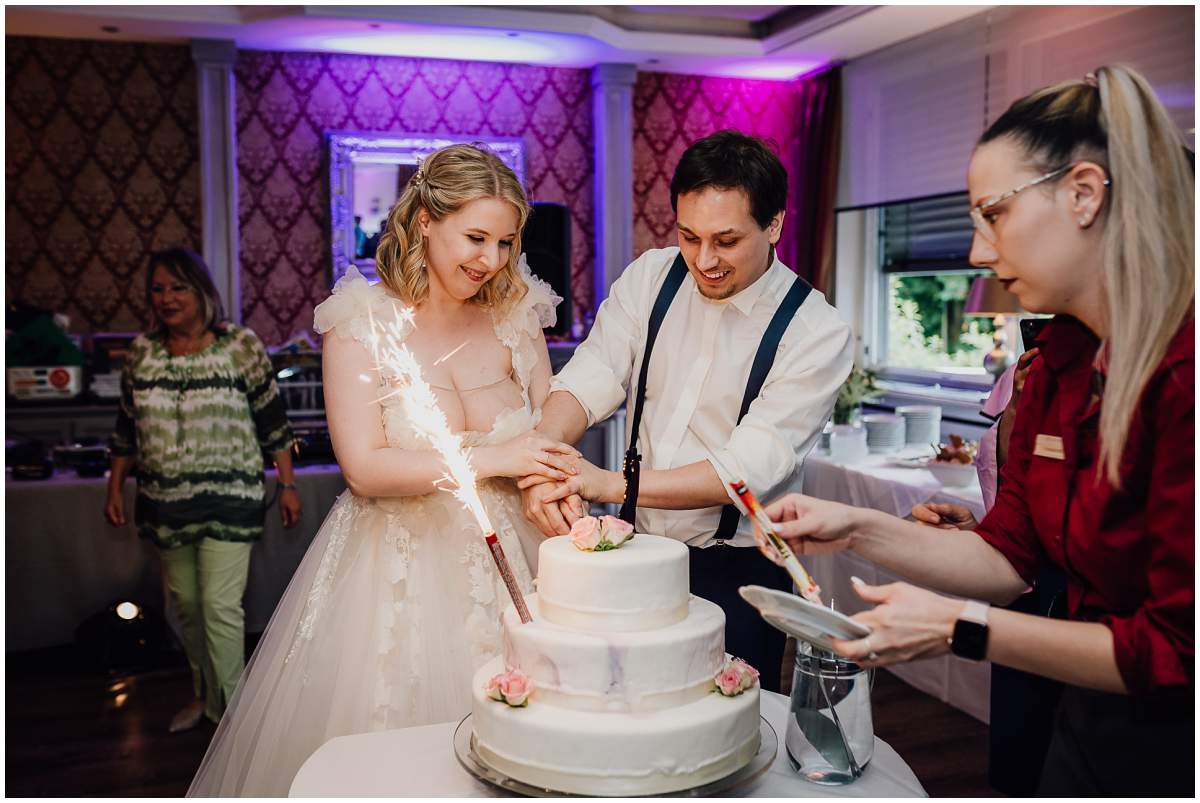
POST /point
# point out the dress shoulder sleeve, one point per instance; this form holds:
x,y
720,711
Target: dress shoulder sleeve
x,y
352,306
534,312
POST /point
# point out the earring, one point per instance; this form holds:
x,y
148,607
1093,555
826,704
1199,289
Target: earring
x,y
1083,222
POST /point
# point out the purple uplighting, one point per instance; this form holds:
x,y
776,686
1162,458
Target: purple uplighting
x,y
440,42
768,69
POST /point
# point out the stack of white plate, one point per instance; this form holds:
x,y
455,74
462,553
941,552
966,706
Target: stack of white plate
x,y
923,424
885,433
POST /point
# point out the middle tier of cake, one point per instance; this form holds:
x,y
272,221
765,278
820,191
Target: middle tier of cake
x,y
623,671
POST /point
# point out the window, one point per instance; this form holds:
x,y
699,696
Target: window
x,y
926,327
924,246
913,276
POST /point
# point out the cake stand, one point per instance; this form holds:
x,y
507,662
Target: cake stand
x,y
472,762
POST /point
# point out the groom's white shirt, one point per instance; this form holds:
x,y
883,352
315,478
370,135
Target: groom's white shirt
x,y
697,377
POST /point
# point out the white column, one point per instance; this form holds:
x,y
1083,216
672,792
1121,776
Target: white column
x,y
218,167
612,132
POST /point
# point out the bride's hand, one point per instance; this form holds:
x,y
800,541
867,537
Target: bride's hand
x,y
531,454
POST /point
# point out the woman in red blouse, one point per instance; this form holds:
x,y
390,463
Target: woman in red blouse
x,y
1083,201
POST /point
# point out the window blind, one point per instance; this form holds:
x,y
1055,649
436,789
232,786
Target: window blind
x,y
926,234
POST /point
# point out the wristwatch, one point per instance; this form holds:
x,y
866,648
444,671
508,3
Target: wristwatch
x,y
971,632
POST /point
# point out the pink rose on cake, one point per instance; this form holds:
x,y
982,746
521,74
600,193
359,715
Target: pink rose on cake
x,y
512,687
735,677
591,534
615,531
585,533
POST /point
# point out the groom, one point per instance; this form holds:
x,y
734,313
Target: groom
x,y
728,364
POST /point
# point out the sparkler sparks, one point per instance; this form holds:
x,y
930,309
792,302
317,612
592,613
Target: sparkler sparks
x,y
391,355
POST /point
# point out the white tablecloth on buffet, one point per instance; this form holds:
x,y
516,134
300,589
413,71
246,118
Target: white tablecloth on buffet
x,y
874,483
63,562
420,762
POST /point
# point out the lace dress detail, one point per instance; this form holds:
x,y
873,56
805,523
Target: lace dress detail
x,y
397,601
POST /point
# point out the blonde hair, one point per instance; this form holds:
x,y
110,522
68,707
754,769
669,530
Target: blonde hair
x,y
447,181
1148,274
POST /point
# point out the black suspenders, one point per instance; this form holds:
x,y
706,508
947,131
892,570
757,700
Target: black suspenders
x,y
633,461
764,358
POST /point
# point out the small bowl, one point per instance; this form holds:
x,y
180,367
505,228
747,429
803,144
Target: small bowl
x,y
952,475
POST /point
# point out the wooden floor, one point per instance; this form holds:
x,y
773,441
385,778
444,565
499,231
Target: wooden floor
x,y
72,730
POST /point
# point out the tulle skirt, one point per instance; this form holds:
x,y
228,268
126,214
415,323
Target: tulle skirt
x,y
395,605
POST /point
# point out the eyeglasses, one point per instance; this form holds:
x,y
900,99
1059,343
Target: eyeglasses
x,y
984,226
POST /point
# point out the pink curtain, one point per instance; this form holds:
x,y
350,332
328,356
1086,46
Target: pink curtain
x,y
814,178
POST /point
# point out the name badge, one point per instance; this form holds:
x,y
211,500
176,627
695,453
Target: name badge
x,y
1050,446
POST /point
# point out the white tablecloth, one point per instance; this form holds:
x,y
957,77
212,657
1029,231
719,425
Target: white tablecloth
x,y
420,762
873,483
63,562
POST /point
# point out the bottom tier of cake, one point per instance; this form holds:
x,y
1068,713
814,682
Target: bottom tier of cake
x,y
615,754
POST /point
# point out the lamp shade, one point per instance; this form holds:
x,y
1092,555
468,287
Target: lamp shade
x,y
988,298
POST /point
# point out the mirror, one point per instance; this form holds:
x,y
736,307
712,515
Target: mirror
x,y
367,173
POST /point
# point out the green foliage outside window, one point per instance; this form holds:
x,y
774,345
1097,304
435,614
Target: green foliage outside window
x,y
926,325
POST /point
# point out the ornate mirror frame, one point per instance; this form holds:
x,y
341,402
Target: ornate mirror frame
x,y
348,148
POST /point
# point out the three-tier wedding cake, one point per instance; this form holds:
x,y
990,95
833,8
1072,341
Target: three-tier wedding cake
x,y
620,685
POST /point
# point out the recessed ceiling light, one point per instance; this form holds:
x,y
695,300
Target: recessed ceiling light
x,y
110,29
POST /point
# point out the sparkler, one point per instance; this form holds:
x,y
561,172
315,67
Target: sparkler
x,y
387,348
807,587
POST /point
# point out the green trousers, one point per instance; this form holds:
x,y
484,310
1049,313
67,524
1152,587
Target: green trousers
x,y
206,581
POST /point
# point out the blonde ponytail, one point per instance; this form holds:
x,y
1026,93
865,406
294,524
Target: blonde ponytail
x,y
1149,269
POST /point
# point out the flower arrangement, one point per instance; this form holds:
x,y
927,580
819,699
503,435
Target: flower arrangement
x,y
859,387
511,688
592,534
735,677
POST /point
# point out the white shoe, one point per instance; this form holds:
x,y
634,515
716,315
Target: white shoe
x,y
188,718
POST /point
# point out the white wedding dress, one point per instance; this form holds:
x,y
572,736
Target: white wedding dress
x,y
397,601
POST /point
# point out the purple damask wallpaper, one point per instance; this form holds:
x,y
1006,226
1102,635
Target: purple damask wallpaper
x,y
101,168
102,160
672,111
286,101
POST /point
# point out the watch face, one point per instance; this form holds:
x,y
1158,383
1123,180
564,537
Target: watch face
x,y
970,640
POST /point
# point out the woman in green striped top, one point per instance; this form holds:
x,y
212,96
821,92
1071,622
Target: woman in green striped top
x,y
199,406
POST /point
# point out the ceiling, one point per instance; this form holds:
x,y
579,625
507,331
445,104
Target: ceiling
x,y
778,42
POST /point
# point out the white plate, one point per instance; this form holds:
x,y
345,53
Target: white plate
x,y
907,462
798,617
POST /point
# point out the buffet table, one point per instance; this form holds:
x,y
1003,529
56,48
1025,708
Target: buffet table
x,y
420,762
64,562
875,483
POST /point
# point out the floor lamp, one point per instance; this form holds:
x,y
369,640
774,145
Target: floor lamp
x,y
988,299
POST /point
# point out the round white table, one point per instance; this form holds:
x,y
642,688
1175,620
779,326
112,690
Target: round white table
x,y
420,762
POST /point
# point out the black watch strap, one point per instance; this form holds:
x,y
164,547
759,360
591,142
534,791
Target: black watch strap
x,y
970,639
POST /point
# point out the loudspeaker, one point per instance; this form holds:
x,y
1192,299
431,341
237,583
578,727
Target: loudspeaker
x,y
546,241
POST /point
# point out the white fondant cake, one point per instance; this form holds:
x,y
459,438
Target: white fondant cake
x,y
623,661
640,586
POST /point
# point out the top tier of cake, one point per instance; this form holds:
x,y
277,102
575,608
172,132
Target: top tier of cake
x,y
640,586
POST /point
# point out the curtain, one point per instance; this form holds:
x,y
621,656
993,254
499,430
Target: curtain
x,y
814,181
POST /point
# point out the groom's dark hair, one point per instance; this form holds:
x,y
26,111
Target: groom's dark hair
x,y
732,160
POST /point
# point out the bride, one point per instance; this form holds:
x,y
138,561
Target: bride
x,y
397,600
